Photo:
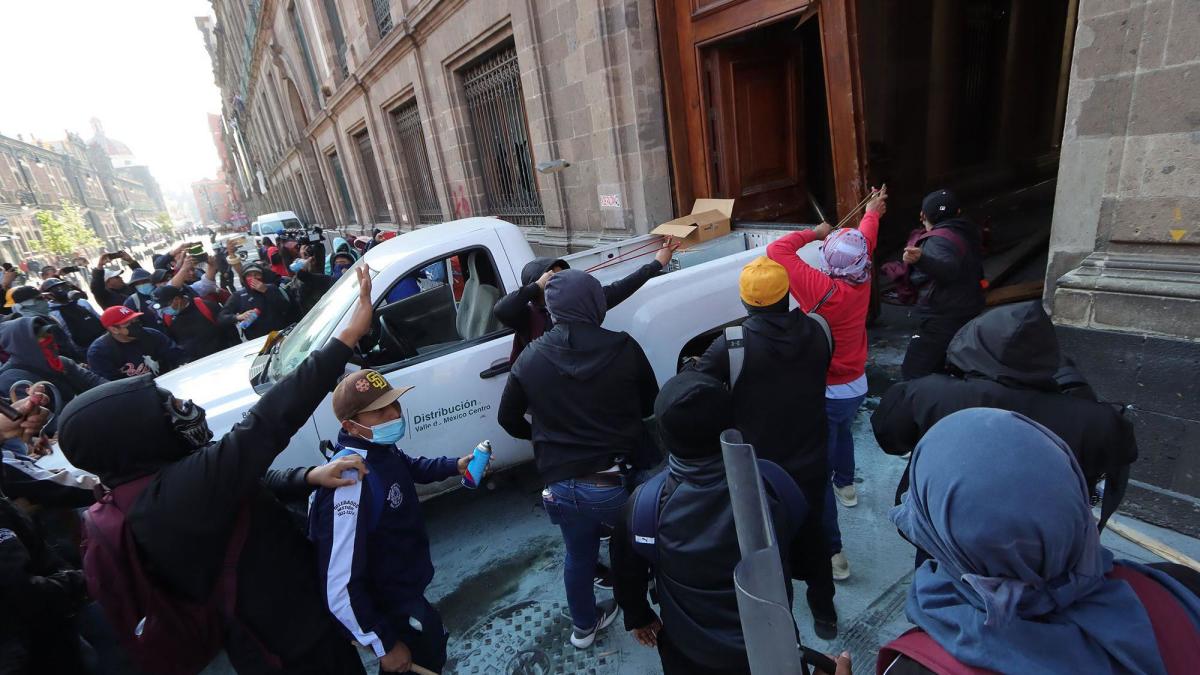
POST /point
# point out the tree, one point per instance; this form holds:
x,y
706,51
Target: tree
x,y
165,226
64,233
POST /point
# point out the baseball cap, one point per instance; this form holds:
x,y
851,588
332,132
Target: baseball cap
x,y
163,295
939,205
111,273
139,275
22,293
51,283
159,276
363,391
252,268
115,316
764,282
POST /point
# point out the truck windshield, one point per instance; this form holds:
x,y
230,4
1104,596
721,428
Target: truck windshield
x,y
315,328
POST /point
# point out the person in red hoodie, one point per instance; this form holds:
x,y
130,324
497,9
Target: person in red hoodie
x,y
841,293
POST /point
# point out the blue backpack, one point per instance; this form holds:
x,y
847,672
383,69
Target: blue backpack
x,y
646,502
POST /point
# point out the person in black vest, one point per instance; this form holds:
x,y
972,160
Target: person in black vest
x,y
588,390
193,322
70,308
947,270
699,632
779,406
263,305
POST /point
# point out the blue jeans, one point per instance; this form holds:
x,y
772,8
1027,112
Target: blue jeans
x,y
582,511
840,412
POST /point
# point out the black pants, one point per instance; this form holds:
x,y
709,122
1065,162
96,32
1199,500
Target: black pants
x,y
428,645
810,550
675,661
926,353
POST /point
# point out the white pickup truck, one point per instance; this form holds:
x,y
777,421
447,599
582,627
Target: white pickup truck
x,y
458,367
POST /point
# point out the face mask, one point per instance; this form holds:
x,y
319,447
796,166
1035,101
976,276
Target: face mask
x,y
338,270
169,311
296,266
388,433
50,351
135,329
144,289
35,307
187,420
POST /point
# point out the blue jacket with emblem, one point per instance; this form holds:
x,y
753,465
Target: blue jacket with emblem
x,y
372,546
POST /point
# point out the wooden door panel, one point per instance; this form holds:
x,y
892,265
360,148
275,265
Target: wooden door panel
x,y
758,127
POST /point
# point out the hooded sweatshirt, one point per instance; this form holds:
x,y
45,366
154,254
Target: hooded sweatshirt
x,y
27,361
587,388
273,305
779,398
182,521
523,311
340,245
1006,359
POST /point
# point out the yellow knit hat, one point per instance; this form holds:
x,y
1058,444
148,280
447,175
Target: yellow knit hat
x,y
763,282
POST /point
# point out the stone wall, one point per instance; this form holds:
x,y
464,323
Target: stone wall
x,y
1124,274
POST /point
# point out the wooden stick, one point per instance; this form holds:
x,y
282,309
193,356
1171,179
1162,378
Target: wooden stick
x,y
414,668
1151,544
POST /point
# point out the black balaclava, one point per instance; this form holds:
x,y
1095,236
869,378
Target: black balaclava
x,y
692,410
129,428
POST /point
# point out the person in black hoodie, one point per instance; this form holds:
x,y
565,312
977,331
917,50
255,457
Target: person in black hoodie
x,y
947,270
588,390
1008,359
70,308
524,310
779,406
33,357
700,632
265,305
183,519
193,322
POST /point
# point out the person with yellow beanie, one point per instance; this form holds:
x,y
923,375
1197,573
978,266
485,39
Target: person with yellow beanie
x,y
775,365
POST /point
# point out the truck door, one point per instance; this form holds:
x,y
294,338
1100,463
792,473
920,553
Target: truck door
x,y
435,331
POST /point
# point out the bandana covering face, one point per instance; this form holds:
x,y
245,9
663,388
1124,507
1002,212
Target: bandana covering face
x,y
844,255
50,351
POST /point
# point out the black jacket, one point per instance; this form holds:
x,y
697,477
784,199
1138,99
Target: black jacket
x,y
1006,359
779,398
517,310
274,306
197,335
27,362
148,307
310,287
697,551
38,592
588,390
949,281
80,324
183,520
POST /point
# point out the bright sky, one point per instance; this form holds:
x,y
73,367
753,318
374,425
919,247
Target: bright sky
x,y
138,65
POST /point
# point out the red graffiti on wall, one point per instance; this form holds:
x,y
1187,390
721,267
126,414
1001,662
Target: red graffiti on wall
x,y
462,206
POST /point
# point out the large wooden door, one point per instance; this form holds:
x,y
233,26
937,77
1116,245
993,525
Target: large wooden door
x,y
756,139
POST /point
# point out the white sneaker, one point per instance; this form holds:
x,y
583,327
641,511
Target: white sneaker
x,y
847,495
841,566
582,639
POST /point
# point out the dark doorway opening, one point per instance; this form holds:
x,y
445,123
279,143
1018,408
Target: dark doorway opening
x,y
767,134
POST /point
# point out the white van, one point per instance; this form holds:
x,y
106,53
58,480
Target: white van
x,y
271,224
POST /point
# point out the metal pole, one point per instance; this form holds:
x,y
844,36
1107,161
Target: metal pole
x,y
768,628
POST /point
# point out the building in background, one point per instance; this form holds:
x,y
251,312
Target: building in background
x,y
216,204
360,114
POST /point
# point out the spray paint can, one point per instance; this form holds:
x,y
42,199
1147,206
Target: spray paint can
x,y
478,465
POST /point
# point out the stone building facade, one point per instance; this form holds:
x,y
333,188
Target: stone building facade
x,y
1124,271
370,113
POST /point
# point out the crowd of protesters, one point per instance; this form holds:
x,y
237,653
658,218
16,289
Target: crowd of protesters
x,y
191,549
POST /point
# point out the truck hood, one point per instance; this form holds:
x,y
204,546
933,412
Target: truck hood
x,y
219,383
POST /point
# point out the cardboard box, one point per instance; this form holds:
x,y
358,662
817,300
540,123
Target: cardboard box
x,y
709,219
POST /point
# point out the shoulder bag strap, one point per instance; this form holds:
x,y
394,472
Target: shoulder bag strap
x,y
735,346
645,517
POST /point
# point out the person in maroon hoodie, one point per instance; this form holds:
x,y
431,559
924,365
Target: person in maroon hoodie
x,y
841,293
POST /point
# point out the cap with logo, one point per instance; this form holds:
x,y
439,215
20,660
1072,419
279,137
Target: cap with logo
x,y
115,316
939,205
764,282
363,391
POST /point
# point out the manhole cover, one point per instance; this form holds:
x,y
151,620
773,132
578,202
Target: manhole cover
x,y
529,638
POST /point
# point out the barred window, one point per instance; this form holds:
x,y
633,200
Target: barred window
x,y
496,108
339,176
378,205
383,16
413,157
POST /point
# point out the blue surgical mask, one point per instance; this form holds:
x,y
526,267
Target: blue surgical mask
x,y
296,266
169,311
388,433
145,289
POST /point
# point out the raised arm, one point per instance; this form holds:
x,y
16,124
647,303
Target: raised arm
x,y
808,284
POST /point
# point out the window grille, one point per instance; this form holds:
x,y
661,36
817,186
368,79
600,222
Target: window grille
x,y
414,157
